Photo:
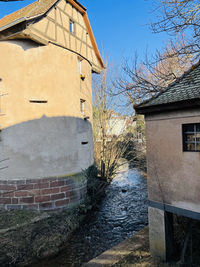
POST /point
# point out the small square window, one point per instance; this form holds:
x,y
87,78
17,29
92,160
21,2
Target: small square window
x,y
71,26
82,106
191,137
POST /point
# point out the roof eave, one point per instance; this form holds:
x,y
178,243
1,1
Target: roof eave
x,y
139,106
90,32
13,23
191,103
82,10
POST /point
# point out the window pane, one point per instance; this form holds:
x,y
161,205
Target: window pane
x,y
198,137
190,147
198,147
189,128
198,127
190,137
71,26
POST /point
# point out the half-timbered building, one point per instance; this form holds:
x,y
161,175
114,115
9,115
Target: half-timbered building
x,y
48,53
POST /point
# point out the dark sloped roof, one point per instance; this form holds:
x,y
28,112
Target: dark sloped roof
x,y
187,87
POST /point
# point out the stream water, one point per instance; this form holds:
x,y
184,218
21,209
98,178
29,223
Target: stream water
x,y
123,212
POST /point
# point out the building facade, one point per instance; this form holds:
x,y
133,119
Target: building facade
x,y
173,154
48,53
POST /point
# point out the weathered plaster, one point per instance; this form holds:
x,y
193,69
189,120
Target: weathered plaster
x,y
173,175
46,147
43,139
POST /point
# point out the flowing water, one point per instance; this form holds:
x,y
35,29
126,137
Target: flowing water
x,y
123,212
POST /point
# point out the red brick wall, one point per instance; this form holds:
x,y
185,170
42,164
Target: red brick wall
x,y
41,194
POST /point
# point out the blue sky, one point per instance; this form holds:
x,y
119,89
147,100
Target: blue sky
x,y
120,27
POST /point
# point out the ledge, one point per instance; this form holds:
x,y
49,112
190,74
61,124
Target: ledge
x,y
117,253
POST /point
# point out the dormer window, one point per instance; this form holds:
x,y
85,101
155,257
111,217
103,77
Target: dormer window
x,y
71,26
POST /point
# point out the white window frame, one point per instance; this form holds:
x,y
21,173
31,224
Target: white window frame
x,y
71,26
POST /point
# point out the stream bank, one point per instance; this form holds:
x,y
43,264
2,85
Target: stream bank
x,y
27,236
30,235
122,213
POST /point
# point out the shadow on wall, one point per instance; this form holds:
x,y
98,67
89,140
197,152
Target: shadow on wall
x,y
24,44
46,147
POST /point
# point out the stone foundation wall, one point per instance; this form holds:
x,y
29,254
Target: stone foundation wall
x,y
42,194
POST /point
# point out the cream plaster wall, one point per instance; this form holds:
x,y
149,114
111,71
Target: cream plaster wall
x,y
41,73
173,175
41,140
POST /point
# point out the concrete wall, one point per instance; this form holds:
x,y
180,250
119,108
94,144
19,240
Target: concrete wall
x,y
173,175
43,139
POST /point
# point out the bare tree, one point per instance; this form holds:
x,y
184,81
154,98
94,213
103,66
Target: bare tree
x,y
180,16
111,140
141,81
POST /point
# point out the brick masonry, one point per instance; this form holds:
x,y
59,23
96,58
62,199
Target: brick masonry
x,y
42,194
